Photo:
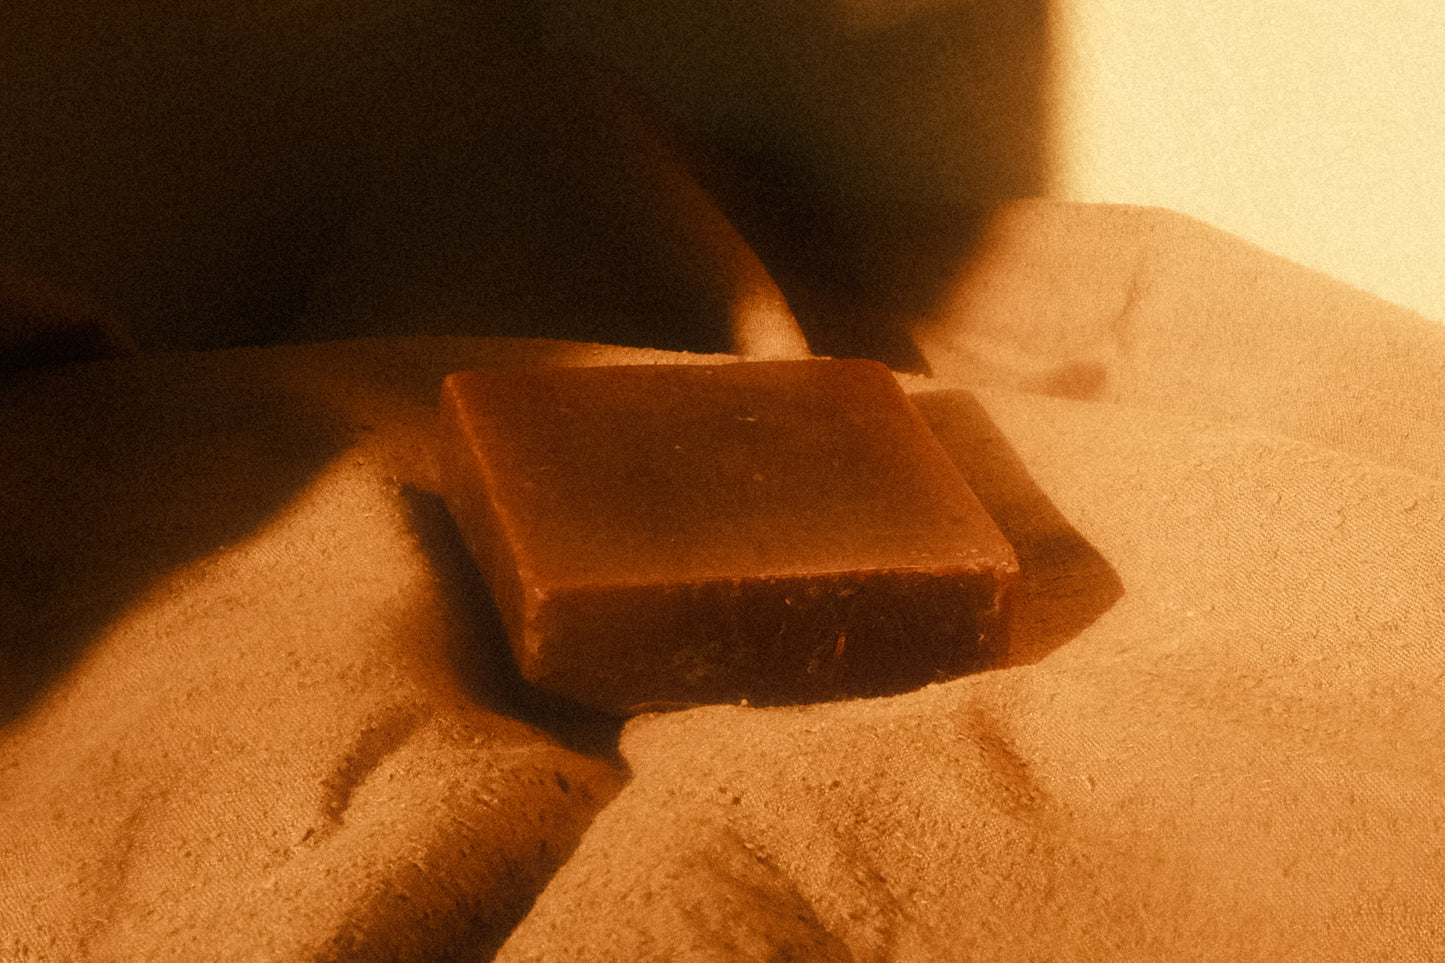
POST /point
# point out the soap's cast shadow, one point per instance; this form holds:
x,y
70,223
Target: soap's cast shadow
x,y
482,659
1065,584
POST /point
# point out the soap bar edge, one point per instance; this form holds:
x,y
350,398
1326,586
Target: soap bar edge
x,y
481,526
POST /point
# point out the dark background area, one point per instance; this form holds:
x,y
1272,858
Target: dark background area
x,y
231,173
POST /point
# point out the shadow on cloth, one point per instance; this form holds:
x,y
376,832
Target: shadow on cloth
x,y
849,141
860,274
1064,583
483,662
122,475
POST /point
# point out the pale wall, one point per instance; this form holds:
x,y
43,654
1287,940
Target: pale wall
x,y
1316,130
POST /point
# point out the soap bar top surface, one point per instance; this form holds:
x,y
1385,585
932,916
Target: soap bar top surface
x,y
642,475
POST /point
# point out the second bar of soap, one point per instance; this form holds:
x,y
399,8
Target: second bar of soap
x,y
779,532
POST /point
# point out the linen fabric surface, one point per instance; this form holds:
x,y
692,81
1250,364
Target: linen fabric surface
x,y
257,707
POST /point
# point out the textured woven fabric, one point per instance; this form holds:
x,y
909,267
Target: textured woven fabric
x,y
256,707
253,706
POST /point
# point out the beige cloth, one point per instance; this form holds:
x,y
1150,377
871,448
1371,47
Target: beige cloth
x,y
1238,758
256,710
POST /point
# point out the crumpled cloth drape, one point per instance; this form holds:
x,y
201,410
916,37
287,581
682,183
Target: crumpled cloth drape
x,y
256,706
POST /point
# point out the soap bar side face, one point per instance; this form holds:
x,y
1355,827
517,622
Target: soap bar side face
x,y
771,641
469,483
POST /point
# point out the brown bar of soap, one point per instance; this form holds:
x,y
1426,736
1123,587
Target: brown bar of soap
x,y
776,531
